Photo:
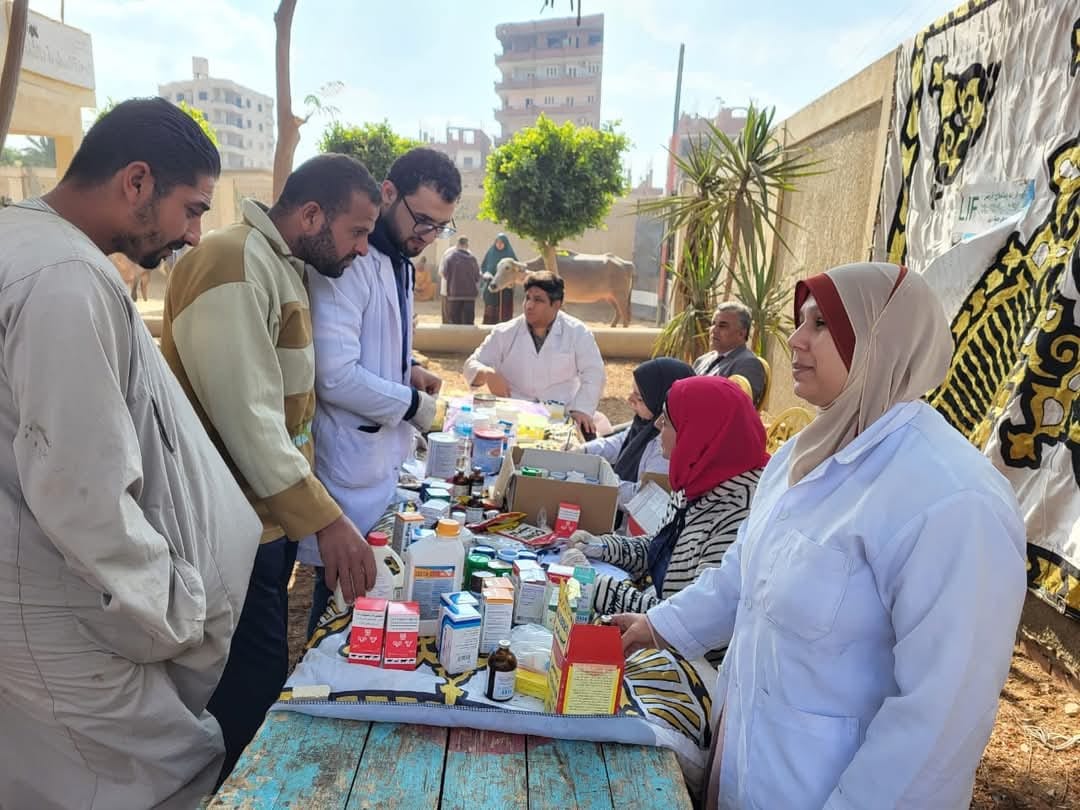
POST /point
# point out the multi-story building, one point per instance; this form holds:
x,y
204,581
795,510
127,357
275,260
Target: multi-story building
x,y
550,66
243,119
468,147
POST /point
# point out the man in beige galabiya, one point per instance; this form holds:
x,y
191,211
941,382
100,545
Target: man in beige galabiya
x,y
125,543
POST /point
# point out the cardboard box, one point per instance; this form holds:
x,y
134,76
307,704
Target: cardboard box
x,y
557,576
449,602
459,645
402,631
531,683
366,633
530,582
497,610
660,479
526,494
587,665
405,523
586,577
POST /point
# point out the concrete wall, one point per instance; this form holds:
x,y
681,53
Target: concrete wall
x,y
45,104
19,183
847,130
232,187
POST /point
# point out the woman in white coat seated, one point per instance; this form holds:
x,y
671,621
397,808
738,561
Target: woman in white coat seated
x,y
871,600
636,450
543,355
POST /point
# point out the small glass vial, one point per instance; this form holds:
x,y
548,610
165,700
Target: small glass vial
x,y
502,673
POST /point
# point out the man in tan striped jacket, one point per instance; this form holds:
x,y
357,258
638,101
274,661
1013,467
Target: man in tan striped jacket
x,y
237,333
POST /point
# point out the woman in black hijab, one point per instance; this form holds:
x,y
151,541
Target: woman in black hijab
x,y
636,450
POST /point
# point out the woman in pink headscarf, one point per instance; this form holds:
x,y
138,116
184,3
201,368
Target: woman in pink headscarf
x,y
871,600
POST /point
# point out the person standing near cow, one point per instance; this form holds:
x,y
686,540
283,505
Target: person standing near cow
x,y
372,396
237,333
125,543
462,283
730,355
589,277
498,304
543,355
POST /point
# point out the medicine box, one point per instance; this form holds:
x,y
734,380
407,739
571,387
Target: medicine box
x,y
366,633
402,631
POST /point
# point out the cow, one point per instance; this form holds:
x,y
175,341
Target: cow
x,y
588,277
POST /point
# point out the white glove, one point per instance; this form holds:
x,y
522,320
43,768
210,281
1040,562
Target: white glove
x,y
573,557
425,412
586,543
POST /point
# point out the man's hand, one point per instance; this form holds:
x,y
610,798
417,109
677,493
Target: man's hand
x,y
495,382
585,422
424,380
347,557
637,633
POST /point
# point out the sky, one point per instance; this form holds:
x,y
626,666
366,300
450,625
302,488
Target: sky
x,y
425,64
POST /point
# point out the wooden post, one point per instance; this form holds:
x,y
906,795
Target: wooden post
x,y
9,77
288,125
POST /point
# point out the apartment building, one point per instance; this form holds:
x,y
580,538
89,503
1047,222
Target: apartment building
x,y
553,66
243,118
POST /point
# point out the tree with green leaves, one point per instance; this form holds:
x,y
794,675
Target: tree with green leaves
x,y
550,183
724,215
377,146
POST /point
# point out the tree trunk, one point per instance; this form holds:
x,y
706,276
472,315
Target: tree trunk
x,y
9,78
288,125
551,261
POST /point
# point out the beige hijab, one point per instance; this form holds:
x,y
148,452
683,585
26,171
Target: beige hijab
x,y
903,348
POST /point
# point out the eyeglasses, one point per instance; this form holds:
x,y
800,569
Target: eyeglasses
x,y
423,227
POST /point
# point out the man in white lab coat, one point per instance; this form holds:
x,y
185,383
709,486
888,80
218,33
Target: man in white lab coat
x,y
543,355
371,395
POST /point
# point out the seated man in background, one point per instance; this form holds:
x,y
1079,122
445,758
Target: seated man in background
x,y
543,355
730,355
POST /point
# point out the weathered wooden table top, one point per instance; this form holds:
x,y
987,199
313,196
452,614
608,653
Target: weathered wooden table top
x,y
299,761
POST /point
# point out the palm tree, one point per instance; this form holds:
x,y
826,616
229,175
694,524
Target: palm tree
x,y
729,206
40,152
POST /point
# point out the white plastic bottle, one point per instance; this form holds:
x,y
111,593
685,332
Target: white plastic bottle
x,y
390,571
434,566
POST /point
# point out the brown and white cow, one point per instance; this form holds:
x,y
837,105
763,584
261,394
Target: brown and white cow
x,y
589,277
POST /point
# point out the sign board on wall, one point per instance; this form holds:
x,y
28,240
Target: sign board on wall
x,y
54,50
984,205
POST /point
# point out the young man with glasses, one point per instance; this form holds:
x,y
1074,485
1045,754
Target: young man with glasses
x,y
371,395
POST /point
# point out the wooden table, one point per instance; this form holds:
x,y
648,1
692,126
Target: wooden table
x,y
299,761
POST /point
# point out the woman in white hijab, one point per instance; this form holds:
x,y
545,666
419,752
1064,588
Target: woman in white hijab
x,y
871,600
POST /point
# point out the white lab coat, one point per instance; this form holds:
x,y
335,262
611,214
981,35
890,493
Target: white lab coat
x,y
652,460
568,368
872,610
362,390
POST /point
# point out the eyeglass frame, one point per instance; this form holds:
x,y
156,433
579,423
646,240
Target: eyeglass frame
x,y
421,229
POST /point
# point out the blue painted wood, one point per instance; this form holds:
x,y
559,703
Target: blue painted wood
x,y
645,777
298,761
484,769
401,767
567,773
295,761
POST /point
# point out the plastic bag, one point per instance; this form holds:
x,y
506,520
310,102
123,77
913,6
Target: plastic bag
x,y
531,643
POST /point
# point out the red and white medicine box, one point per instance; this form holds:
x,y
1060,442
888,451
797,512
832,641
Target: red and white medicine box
x,y
567,521
366,634
402,630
